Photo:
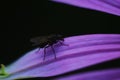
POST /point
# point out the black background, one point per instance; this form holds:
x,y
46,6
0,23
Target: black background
x,y
23,20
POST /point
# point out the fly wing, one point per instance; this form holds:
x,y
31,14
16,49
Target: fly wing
x,y
38,40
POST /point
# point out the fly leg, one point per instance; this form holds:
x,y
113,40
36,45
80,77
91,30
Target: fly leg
x,y
61,42
45,52
53,51
38,50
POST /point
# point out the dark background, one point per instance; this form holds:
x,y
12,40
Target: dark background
x,y
23,20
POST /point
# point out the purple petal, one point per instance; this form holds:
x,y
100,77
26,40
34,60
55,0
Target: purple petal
x,y
109,6
83,51
111,74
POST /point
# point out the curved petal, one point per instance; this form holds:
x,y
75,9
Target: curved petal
x,y
111,74
109,6
83,51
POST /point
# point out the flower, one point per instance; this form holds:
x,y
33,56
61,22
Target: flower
x,y
108,6
109,74
83,51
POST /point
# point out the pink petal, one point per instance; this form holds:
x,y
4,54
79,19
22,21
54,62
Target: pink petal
x,y
109,6
111,74
83,51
